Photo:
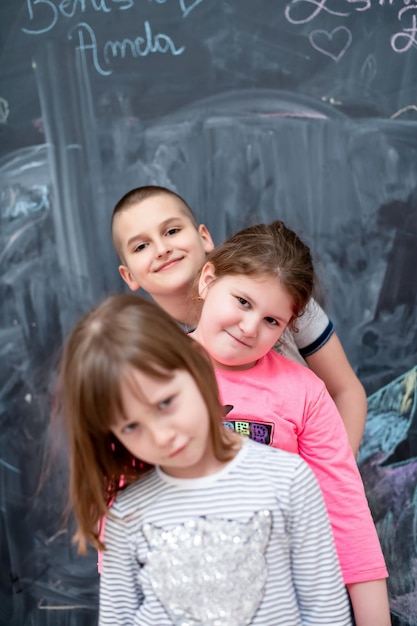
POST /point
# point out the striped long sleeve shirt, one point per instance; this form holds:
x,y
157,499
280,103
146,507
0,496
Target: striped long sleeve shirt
x,y
250,544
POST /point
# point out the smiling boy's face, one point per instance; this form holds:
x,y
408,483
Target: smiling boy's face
x,y
161,247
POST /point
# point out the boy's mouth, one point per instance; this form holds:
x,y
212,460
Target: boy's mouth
x,y
168,264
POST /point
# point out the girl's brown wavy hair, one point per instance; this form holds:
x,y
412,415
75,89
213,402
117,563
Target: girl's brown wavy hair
x,y
123,332
267,249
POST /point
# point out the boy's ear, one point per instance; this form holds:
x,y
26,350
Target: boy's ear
x,y
128,278
206,238
206,277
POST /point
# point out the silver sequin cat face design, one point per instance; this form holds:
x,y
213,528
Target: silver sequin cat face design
x,y
209,572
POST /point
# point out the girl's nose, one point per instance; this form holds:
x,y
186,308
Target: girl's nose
x,y
249,325
162,436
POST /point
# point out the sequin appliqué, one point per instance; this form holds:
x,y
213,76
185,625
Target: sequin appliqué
x,y
209,572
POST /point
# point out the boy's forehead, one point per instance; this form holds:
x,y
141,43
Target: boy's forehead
x,y
156,210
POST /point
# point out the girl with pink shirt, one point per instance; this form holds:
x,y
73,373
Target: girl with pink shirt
x,y
209,527
253,287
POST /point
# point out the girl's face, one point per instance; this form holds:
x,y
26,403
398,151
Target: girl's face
x,y
166,423
242,317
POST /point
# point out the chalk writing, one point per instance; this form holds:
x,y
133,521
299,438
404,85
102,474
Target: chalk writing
x,y
368,69
21,202
48,12
333,44
312,9
10,467
187,9
336,42
404,40
410,107
139,47
366,4
44,16
4,110
185,6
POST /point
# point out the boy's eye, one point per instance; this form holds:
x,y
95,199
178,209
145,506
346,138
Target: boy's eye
x,y
271,320
173,231
140,247
243,302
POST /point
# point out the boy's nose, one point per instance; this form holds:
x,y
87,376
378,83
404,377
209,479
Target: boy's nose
x,y
163,247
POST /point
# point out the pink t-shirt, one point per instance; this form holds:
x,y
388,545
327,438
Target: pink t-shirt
x,y
283,404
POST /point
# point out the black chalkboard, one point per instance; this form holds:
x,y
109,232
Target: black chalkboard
x,y
304,110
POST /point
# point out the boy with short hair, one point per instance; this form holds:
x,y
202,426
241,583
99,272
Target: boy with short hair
x,y
162,247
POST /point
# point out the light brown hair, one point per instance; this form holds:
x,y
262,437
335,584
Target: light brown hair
x,y
124,332
135,197
268,249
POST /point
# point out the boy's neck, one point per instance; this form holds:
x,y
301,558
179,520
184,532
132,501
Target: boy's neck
x,y
180,308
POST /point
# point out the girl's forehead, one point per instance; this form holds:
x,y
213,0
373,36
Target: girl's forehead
x,y
134,382
130,390
258,279
146,384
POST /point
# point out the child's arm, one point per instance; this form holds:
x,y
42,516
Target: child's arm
x,y
321,593
321,349
323,444
120,594
370,603
330,363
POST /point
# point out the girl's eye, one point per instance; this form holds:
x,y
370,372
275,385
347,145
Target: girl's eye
x,y
126,430
271,320
140,247
243,302
173,231
165,403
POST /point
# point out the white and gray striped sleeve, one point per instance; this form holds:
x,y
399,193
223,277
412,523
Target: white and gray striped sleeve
x,y
120,594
